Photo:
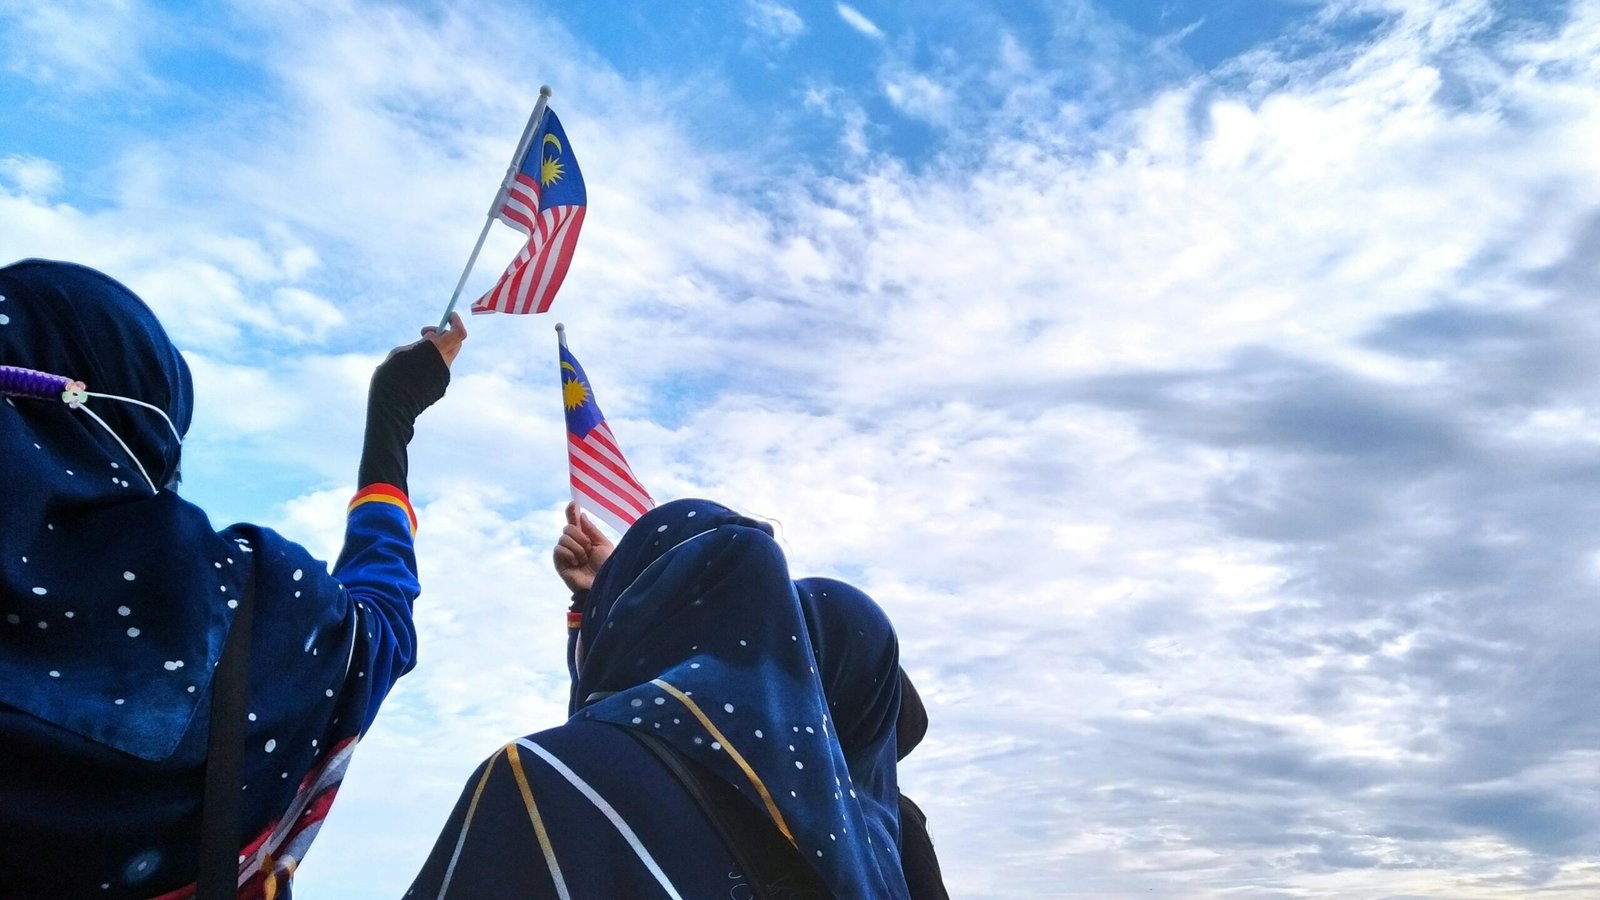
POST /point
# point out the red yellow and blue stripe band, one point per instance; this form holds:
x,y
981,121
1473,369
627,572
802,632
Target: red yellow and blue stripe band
x,y
385,493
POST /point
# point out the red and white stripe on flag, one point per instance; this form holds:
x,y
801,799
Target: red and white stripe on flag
x,y
602,483
530,283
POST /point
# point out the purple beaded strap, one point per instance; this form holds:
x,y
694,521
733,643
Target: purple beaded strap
x,y
32,383
20,382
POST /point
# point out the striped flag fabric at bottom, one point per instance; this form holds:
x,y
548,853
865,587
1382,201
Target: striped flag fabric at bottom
x,y
602,482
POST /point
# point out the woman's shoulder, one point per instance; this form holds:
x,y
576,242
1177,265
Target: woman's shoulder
x,y
581,743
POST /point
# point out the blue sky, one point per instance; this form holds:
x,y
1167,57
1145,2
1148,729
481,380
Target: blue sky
x,y
1207,389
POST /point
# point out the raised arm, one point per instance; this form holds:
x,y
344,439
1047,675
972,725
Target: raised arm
x,y
378,565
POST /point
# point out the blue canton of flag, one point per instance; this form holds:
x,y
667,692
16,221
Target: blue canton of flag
x,y
602,482
546,201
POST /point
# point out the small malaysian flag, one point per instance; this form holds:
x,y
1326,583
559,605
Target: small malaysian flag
x,y
602,483
545,200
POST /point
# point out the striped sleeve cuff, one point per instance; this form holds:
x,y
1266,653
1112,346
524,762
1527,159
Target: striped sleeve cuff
x,y
575,611
385,493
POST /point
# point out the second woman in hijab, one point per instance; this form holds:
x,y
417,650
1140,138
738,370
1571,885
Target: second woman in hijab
x,y
692,648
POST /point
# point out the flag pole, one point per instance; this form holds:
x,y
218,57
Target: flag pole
x,y
577,504
499,197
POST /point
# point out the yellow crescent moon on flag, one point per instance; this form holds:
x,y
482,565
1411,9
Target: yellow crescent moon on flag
x,y
552,139
568,366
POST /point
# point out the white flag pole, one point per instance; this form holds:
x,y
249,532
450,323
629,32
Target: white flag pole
x,y
561,338
499,197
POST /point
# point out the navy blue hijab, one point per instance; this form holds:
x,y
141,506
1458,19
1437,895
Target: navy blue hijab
x,y
695,633
858,657
114,598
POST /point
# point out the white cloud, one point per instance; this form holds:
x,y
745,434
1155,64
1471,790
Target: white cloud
x,y
773,21
301,313
78,44
852,118
855,19
917,95
1434,22
32,177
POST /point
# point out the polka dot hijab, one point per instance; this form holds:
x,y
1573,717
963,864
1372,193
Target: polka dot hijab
x,y
858,659
113,600
694,633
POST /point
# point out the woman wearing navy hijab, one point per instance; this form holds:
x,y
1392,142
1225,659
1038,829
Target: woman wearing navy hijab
x,y
858,655
116,597
692,636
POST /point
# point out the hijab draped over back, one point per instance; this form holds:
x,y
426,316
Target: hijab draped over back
x,y
115,601
858,657
858,654
694,633
100,577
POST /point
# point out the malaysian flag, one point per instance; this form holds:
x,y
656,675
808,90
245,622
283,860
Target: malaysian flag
x,y
545,200
602,483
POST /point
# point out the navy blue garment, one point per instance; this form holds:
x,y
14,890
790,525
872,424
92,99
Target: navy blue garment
x,y
692,633
858,657
491,847
79,518
115,602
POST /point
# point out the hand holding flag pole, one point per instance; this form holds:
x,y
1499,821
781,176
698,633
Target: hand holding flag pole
x,y
499,197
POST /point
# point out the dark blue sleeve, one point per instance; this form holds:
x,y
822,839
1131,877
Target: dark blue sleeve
x,y
378,568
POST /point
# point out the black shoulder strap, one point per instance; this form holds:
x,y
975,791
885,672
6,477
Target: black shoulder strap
x,y
766,857
220,814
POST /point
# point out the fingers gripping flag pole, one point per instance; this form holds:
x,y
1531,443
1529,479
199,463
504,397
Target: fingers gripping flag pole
x,y
602,482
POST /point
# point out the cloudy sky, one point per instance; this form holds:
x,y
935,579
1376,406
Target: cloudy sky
x,y
1209,389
